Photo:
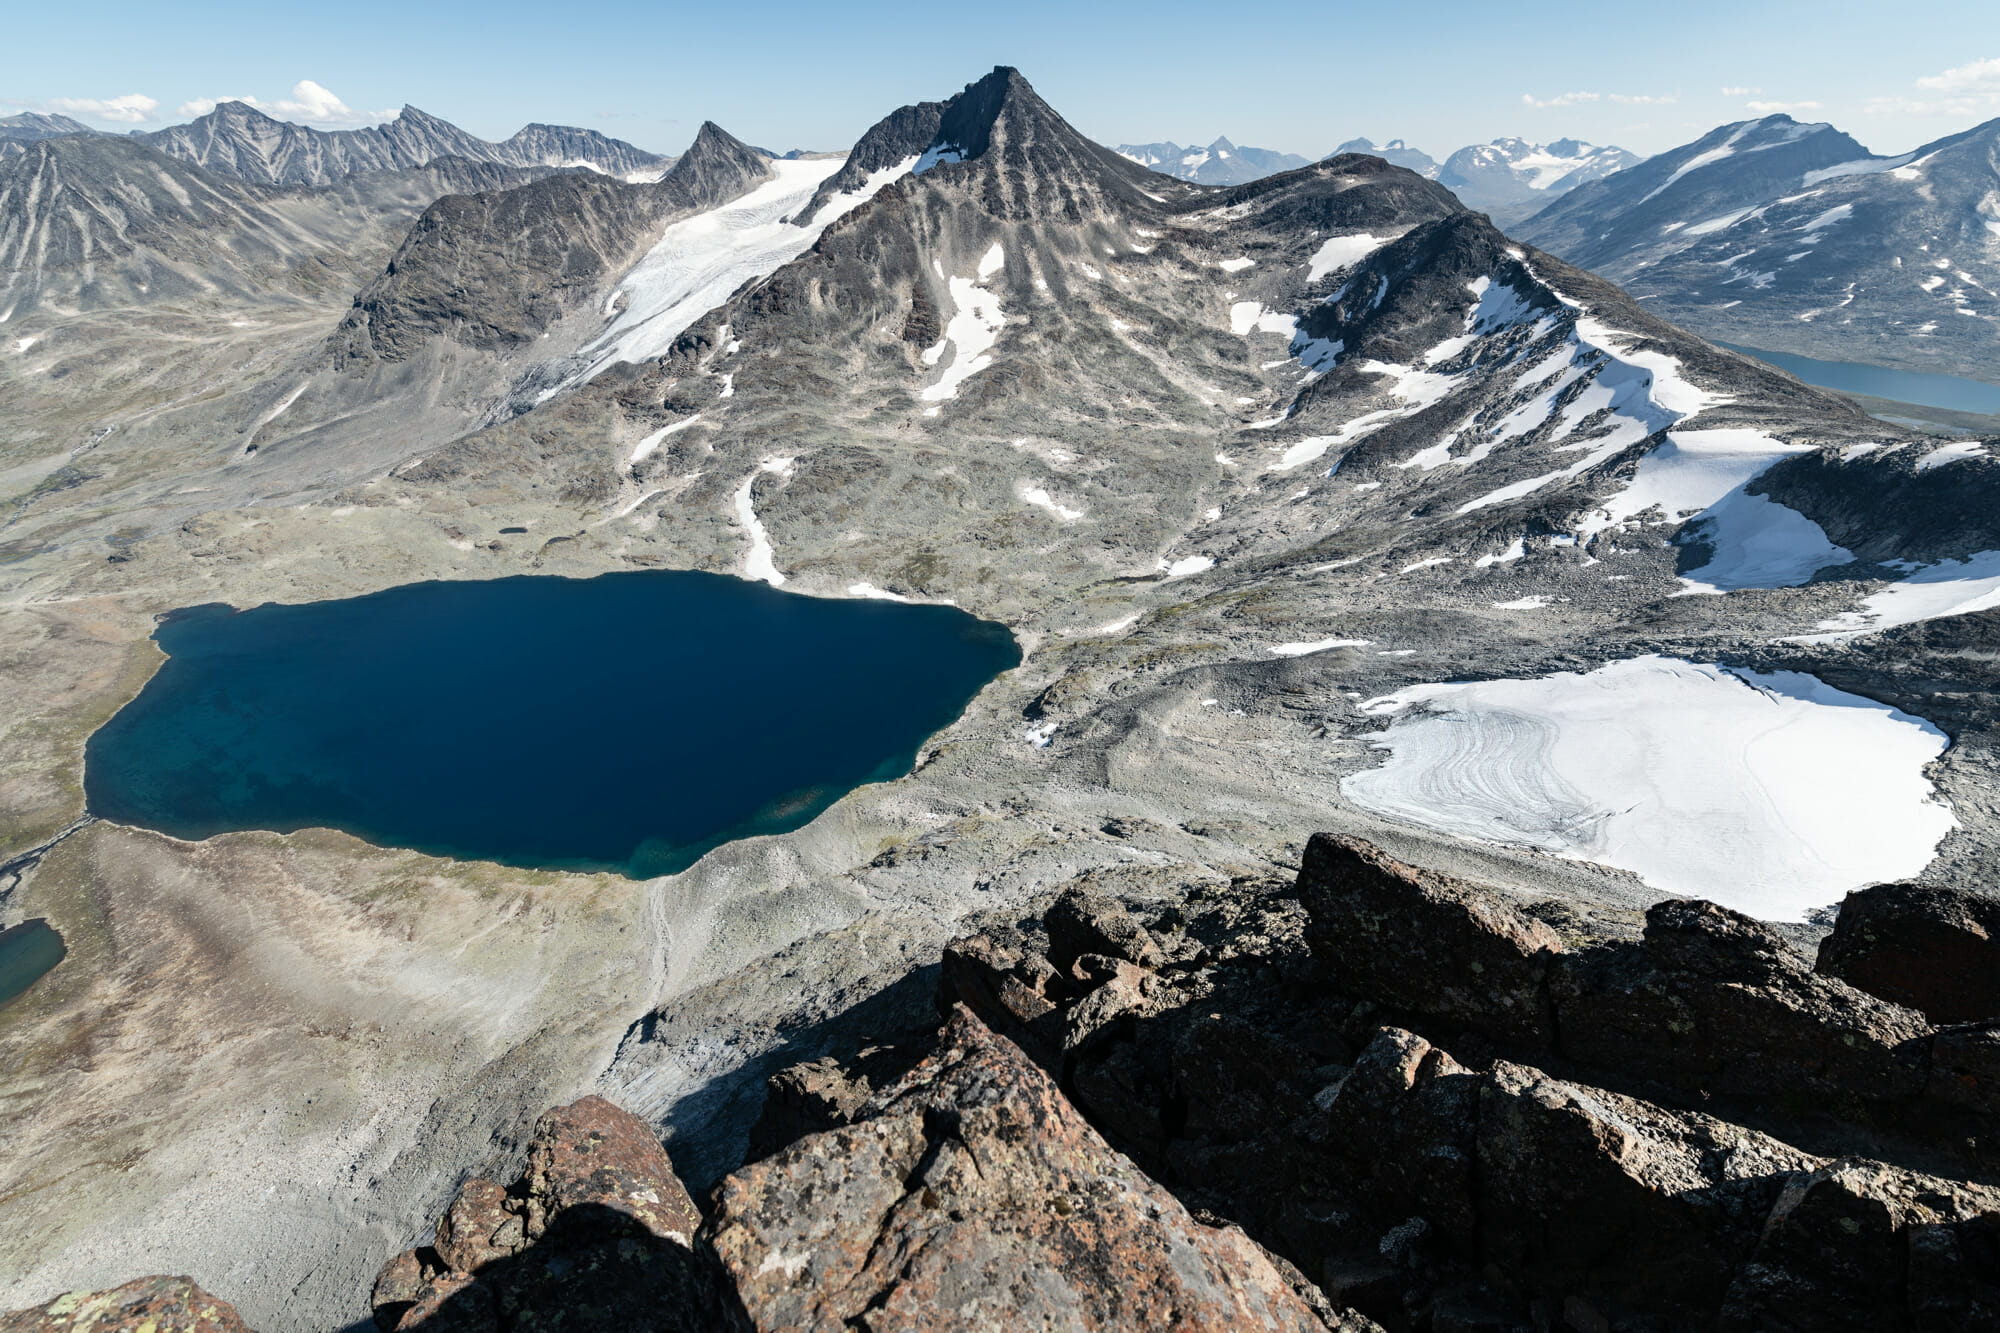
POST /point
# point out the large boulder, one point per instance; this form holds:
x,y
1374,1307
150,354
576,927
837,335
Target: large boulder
x,y
592,1154
1610,1204
144,1305
1932,949
597,1236
971,1195
1715,1001
1426,943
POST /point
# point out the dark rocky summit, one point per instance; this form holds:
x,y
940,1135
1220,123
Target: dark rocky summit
x,y
1379,1098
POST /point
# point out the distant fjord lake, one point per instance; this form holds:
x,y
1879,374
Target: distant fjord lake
x,y
629,722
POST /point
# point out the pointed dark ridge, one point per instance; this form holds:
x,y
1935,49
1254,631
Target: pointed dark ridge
x,y
717,167
1002,122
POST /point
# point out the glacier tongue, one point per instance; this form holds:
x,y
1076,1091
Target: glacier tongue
x,y
700,261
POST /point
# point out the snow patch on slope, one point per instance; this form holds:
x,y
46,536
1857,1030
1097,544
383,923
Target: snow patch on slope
x,y
1798,791
699,262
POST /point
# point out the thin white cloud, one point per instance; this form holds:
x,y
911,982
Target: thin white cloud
x,y
1581,98
1981,76
1967,90
1560,99
1775,108
131,109
1741,92
309,102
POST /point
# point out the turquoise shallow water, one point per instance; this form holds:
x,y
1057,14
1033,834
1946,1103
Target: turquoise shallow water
x,y
629,722
1904,386
27,953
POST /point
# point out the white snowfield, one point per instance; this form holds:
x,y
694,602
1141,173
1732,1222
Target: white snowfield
x,y
975,326
1948,588
762,562
700,261
1700,475
1772,794
1339,252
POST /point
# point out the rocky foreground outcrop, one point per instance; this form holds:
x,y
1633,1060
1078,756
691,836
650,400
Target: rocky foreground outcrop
x,y
1376,1098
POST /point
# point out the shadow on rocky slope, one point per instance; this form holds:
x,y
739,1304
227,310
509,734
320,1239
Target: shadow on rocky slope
x,y
1378,1098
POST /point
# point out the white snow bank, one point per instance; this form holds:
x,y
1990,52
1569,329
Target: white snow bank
x,y
1701,475
761,564
1771,794
1318,646
1418,389
1948,588
975,326
1951,453
700,261
653,441
870,590
1339,252
1534,602
1247,317
1039,496
1515,552
1236,265
1193,564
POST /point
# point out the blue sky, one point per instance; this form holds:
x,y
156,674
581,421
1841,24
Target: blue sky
x,y
1298,78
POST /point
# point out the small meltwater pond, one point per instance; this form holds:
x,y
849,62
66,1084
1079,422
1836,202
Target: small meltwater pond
x,y
629,722
1769,793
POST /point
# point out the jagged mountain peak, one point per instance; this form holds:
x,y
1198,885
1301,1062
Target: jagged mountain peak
x,y
240,140
35,125
1001,121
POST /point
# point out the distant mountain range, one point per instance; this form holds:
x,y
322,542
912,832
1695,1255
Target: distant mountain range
x,y
1221,163
1794,237
239,140
236,139
1507,179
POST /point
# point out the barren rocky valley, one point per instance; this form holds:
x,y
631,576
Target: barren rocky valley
x,y
1283,488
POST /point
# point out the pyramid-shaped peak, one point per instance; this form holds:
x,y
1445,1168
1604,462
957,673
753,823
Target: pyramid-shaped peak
x,y
968,119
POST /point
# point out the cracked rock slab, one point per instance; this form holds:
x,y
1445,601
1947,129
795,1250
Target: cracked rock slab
x,y
972,1195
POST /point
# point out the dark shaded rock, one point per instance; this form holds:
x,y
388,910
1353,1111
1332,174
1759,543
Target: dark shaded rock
x,y
453,1303
398,1286
1931,949
823,1094
1585,1194
1084,922
1009,986
972,1195
1859,1245
1424,942
1715,1001
1965,1067
1404,1122
143,1305
922,326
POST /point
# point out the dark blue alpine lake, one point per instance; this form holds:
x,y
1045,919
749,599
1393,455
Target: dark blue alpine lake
x,y
628,722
